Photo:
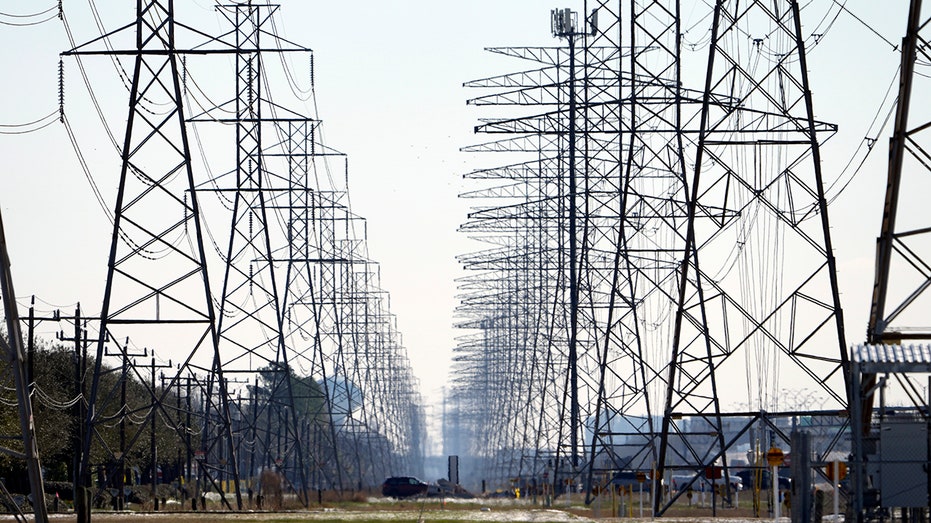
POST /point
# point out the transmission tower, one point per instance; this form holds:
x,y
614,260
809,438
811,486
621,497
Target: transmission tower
x,y
553,224
902,249
302,306
660,217
899,302
338,325
250,320
264,183
654,109
13,355
758,301
330,324
327,341
157,290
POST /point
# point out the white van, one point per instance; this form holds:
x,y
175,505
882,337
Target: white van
x,y
702,484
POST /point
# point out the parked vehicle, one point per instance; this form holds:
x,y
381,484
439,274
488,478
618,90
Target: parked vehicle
x,y
764,479
628,480
704,484
403,487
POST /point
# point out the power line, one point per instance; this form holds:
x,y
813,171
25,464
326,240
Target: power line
x,y
868,26
33,15
87,172
28,24
33,126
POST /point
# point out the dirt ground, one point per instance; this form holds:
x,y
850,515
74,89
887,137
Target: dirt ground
x,y
358,515
378,510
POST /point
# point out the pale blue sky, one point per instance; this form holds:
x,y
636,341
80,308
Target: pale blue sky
x,y
389,88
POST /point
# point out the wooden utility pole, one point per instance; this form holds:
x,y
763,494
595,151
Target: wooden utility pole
x,y
153,449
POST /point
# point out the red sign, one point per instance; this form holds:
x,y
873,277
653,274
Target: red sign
x,y
714,472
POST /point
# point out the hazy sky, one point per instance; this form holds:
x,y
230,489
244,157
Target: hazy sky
x,y
389,88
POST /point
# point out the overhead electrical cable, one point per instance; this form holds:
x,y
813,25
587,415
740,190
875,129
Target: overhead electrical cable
x,y
90,89
30,127
87,172
868,26
301,94
871,138
27,24
54,7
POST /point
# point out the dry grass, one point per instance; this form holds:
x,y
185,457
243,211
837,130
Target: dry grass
x,y
369,507
359,509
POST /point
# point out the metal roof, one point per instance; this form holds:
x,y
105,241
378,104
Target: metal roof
x,y
892,358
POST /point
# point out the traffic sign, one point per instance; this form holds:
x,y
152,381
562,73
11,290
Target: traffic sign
x,y
641,477
841,470
775,457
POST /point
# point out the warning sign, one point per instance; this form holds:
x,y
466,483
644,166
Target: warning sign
x,y
775,457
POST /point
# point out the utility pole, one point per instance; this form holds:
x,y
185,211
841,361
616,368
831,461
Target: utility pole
x,y
253,399
79,363
121,458
31,345
153,450
179,462
187,426
80,341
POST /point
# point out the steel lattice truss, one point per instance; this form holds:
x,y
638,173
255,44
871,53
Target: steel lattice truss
x,y
540,297
22,445
902,251
301,368
657,230
903,259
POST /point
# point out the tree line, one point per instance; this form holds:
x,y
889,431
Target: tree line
x,y
60,382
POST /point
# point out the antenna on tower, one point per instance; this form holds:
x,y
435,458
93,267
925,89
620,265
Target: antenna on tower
x,y
563,22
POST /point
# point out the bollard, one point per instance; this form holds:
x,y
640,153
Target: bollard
x,y
819,506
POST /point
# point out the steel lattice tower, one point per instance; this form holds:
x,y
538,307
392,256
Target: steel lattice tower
x,y
330,312
14,358
331,326
756,190
302,308
157,288
555,263
903,251
660,217
250,320
634,343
